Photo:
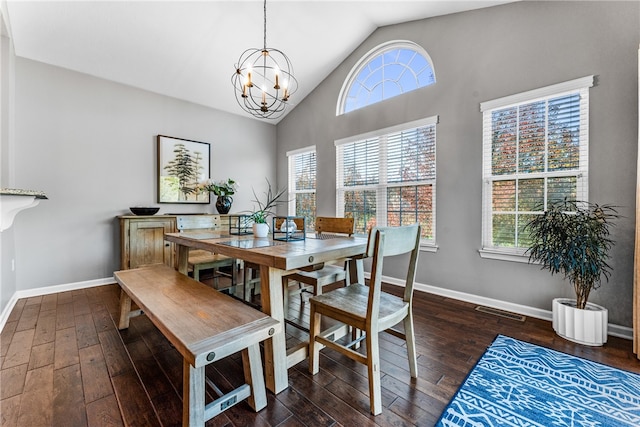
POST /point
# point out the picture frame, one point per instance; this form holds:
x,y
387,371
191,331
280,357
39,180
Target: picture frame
x,y
182,164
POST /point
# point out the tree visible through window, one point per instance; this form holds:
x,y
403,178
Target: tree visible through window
x,y
389,70
389,179
302,185
535,152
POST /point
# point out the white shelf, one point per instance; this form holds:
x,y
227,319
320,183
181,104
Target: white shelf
x,y
13,201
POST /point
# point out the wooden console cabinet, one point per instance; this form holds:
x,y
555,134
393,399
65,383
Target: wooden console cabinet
x,y
142,240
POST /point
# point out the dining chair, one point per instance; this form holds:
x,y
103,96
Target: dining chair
x,y
314,281
202,260
369,309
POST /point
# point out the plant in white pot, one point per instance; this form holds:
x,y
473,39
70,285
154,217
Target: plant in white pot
x,y
265,209
573,238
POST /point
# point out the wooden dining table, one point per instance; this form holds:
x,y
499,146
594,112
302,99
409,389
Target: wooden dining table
x,y
276,258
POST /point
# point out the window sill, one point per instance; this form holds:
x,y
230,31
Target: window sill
x,y
428,247
504,256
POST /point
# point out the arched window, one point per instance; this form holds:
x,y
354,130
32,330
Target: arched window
x,y
390,69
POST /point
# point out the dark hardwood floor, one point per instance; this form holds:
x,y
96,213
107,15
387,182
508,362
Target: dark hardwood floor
x,y
64,363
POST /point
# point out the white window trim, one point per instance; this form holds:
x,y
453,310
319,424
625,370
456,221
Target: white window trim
x,y
533,95
291,155
427,246
519,254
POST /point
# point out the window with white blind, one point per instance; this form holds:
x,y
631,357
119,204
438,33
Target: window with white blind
x,y
302,184
535,151
388,178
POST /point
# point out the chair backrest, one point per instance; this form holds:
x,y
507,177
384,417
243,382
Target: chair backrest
x,y
326,224
197,222
391,241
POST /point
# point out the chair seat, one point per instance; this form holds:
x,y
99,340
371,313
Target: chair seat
x,y
351,302
328,274
205,257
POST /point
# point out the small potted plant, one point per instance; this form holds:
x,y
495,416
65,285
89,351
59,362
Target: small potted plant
x,y
573,238
224,190
264,210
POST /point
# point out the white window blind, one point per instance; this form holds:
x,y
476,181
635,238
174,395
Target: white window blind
x,y
302,184
535,151
388,177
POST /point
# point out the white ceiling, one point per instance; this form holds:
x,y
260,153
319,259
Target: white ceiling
x,y
187,49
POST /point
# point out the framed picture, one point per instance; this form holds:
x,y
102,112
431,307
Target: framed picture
x,y
182,164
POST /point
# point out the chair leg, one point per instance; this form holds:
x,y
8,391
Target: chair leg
x,y
196,273
373,368
216,280
245,283
314,347
233,278
285,294
301,292
411,345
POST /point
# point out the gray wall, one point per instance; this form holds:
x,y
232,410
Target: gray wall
x,y
90,145
484,55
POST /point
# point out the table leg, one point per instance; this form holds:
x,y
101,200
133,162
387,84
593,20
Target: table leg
x,y
183,259
275,348
192,395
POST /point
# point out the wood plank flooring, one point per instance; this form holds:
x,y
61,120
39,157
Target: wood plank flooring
x,y
64,363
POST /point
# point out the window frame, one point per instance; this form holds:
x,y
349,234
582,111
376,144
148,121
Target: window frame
x,y
382,185
368,58
291,179
578,86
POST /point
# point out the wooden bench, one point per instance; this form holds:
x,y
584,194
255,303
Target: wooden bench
x,y
204,325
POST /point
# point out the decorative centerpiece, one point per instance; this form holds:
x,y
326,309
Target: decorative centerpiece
x,y
224,190
288,228
572,238
265,207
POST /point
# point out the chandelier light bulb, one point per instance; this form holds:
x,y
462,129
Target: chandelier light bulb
x,y
277,72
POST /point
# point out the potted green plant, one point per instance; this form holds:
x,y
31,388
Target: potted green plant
x,y
265,209
224,190
573,238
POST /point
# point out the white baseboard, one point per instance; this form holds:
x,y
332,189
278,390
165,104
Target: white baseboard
x,y
613,330
28,293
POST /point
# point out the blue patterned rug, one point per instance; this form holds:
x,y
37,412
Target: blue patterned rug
x,y
520,384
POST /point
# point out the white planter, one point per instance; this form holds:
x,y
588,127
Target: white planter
x,y
260,230
588,326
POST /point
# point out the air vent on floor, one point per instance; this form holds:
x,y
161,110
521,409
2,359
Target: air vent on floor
x,y
501,313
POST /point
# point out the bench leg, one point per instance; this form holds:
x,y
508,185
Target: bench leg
x,y
192,395
125,309
253,375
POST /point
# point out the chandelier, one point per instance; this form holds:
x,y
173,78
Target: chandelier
x,y
263,81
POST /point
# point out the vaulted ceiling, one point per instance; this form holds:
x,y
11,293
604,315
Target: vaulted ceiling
x,y
187,49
